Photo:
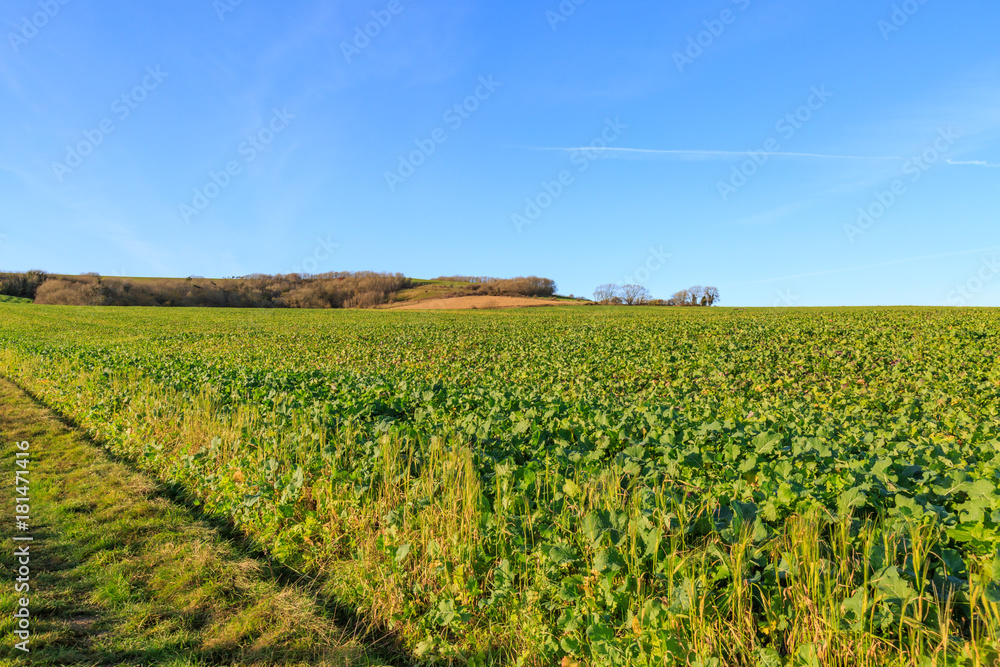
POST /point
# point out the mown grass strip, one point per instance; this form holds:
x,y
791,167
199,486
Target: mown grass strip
x,y
122,575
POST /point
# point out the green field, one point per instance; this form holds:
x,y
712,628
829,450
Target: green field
x,y
577,486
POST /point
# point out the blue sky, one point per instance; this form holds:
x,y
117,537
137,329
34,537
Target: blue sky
x,y
733,143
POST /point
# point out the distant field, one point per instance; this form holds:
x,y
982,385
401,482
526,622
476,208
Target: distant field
x,y
13,299
578,486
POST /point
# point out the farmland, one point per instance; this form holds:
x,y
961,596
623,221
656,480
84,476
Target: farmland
x,y
577,486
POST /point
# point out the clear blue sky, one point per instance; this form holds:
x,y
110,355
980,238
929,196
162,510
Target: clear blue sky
x,y
311,115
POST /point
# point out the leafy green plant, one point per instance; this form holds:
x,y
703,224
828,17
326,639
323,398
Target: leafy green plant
x,y
590,486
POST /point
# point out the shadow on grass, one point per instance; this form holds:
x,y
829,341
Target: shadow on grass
x,y
384,643
78,623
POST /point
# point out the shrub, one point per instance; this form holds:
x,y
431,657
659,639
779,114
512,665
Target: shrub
x,y
330,290
24,285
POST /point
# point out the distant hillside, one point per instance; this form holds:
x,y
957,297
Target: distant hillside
x,y
362,289
462,286
484,303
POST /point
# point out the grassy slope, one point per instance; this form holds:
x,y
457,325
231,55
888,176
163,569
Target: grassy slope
x,y
423,290
426,290
124,576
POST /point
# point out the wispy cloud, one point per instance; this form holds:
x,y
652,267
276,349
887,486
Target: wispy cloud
x,y
973,163
712,154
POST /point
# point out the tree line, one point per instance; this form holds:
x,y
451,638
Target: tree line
x,y
361,289
329,290
637,295
24,285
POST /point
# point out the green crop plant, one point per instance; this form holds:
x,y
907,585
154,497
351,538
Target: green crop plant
x,y
578,486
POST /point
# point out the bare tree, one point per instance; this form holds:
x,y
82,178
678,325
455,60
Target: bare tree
x,y
606,293
695,296
635,295
681,298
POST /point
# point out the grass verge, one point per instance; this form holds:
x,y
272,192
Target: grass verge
x,y
121,575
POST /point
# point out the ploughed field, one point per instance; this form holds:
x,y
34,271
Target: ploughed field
x,y
592,486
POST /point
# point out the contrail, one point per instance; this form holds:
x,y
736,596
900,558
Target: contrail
x,y
720,154
974,163
736,154
872,266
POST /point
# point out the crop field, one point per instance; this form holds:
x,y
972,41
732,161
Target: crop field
x,y
577,486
